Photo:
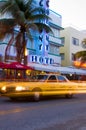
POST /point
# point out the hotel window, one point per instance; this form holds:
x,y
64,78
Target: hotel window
x,y
53,49
62,56
63,40
73,57
56,32
32,45
75,41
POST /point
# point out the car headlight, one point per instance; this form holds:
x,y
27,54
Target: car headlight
x,y
3,88
21,88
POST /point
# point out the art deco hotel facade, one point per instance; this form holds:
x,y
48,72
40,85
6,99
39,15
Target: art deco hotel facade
x,y
44,52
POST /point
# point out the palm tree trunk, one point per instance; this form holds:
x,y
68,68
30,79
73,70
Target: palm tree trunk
x,y
24,46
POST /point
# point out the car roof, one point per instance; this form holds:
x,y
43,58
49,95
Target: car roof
x,y
50,74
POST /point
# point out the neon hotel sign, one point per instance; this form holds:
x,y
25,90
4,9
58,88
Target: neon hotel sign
x,y
41,60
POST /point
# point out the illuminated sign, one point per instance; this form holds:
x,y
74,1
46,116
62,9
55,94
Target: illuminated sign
x,y
42,60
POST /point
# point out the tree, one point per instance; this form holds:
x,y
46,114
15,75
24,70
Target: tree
x,y
22,14
81,56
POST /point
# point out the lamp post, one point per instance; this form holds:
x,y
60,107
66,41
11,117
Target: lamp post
x,y
25,60
25,56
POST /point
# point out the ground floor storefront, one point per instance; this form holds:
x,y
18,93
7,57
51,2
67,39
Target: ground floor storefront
x,y
19,71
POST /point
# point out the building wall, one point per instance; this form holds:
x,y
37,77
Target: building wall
x,y
37,51
54,41
71,35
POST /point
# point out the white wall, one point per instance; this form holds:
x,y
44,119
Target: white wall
x,y
68,47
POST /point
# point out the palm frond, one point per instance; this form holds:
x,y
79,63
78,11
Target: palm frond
x,y
8,22
38,17
42,26
8,47
6,26
81,55
5,7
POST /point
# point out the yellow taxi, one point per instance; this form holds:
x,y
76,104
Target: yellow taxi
x,y
40,85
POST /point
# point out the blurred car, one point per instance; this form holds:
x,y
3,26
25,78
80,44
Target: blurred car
x,y
81,87
2,83
40,85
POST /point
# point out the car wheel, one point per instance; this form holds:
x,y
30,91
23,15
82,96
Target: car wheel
x,y
69,96
36,94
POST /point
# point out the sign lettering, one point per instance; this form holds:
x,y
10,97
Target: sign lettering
x,y
42,60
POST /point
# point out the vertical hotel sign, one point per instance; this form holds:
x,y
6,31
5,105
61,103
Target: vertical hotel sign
x,y
41,3
42,57
43,36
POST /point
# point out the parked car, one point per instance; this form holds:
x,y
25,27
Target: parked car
x,y
40,85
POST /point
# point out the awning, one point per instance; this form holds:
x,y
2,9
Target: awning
x,y
49,68
41,67
14,65
63,70
17,65
80,71
3,65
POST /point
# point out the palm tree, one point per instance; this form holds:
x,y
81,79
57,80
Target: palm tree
x,y
81,55
23,14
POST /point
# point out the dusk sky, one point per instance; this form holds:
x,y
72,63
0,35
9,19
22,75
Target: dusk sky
x,y
73,12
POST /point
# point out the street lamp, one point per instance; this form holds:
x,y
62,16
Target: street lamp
x,y
25,56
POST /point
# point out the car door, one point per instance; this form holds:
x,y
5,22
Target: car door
x,y
51,81
56,84
63,85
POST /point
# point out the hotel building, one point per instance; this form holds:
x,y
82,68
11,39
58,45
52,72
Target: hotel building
x,y
72,42
44,50
47,50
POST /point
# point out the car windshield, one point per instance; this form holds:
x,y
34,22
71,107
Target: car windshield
x,y
61,79
39,78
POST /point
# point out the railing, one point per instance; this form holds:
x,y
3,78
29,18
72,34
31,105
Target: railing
x,y
55,40
56,18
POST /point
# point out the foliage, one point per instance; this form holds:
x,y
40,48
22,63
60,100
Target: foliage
x,y
81,55
24,14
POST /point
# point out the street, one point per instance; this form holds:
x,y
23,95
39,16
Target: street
x,y
48,114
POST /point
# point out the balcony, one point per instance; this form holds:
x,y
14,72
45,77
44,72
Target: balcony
x,y
55,40
56,19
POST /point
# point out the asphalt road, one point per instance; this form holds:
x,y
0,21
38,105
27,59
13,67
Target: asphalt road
x,y
48,114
